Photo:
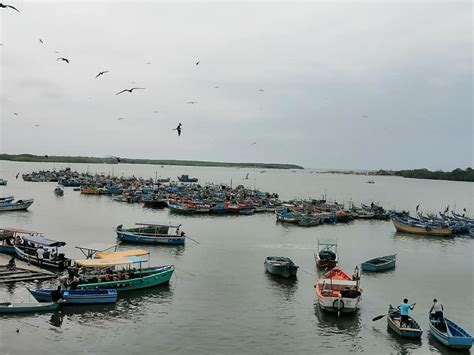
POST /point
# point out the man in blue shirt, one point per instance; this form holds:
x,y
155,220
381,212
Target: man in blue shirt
x,y
404,312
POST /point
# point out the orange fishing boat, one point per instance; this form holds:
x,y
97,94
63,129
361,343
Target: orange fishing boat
x,y
338,292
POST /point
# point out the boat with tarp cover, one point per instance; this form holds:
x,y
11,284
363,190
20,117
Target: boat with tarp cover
x,y
326,255
49,256
148,233
122,270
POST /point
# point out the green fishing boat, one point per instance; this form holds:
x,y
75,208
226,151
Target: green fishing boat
x,y
122,271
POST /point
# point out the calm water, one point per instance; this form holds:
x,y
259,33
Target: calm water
x,y
221,300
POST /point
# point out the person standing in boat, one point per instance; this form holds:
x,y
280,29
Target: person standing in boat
x,y
437,310
40,254
57,295
72,281
405,312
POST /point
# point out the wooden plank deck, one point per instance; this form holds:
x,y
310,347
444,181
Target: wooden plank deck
x,y
23,272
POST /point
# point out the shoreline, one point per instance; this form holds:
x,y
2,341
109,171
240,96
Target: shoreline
x,y
96,160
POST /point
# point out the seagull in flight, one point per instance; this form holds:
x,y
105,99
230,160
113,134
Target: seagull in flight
x,y
192,102
261,90
216,87
41,41
253,143
63,59
120,118
247,176
365,116
37,125
116,158
3,6
129,90
197,63
15,113
101,73
178,129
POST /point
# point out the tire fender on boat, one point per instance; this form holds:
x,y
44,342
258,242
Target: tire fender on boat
x,y
341,304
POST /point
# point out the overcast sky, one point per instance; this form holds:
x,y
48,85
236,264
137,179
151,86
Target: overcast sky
x,y
322,66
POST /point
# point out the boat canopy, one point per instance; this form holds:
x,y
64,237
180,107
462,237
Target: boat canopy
x,y
109,261
120,254
159,225
40,240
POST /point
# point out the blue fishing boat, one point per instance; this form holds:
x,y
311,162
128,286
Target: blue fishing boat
x,y
281,266
181,208
78,296
8,307
380,263
218,208
450,334
413,330
148,233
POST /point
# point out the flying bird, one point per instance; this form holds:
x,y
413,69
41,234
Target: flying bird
x,y
365,116
197,63
3,6
120,118
253,143
37,125
261,90
129,90
15,113
216,87
41,41
63,59
56,51
116,158
178,129
192,102
101,73
16,177
148,62
247,176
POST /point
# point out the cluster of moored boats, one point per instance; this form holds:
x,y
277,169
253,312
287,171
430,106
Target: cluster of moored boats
x,y
96,279
337,291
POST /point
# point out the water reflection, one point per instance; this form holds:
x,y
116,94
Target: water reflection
x,y
401,344
56,319
285,287
444,241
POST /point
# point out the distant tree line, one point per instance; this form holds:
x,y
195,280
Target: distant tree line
x,y
454,175
112,160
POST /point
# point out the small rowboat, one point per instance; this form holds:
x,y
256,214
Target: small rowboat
x,y
8,307
393,321
281,266
380,263
326,255
450,334
78,296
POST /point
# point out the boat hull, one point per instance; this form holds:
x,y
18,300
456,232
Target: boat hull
x,y
441,232
393,322
462,340
375,265
141,239
33,259
8,307
78,296
15,206
161,276
287,269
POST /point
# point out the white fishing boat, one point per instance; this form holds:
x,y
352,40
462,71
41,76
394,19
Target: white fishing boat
x,y
15,205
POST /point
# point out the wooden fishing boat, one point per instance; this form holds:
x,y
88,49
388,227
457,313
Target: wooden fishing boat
x,y
11,236
3,182
450,334
28,248
148,233
20,205
218,208
186,178
281,266
287,216
309,221
6,199
326,255
338,292
8,307
380,263
423,229
393,321
89,190
181,208
58,191
155,203
123,269
78,296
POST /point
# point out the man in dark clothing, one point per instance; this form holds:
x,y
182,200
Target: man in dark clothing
x,y
57,295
